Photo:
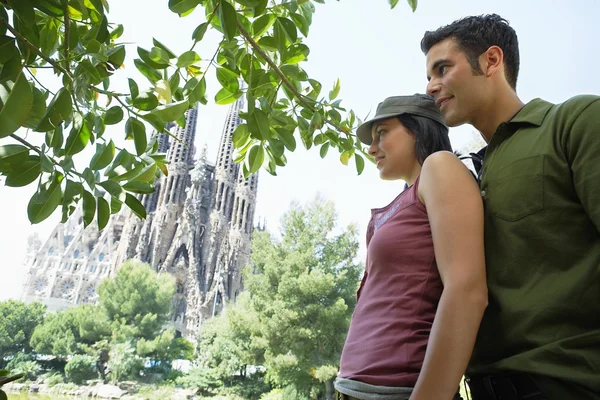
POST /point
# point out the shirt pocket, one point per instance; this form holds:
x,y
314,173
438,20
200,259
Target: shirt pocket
x,y
517,189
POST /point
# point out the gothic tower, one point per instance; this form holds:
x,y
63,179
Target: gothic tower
x,y
172,193
230,223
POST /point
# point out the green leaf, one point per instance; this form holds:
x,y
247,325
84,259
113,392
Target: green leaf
x,y
262,24
113,115
188,58
335,91
12,156
136,130
16,102
116,56
58,110
114,189
89,208
74,35
295,54
276,147
182,6
103,213
228,79
289,29
171,112
224,96
8,49
146,101
199,32
139,187
260,8
240,135
133,89
24,10
411,3
117,32
38,109
135,206
44,201
89,178
158,44
197,90
159,56
301,23
256,157
104,156
287,138
268,43
79,137
115,205
360,163
228,19
46,164
25,174
323,150
150,73
147,175
345,157
258,125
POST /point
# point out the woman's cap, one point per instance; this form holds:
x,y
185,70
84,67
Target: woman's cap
x,y
417,104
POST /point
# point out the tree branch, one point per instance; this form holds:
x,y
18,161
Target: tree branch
x,y
301,98
67,31
37,51
39,83
37,150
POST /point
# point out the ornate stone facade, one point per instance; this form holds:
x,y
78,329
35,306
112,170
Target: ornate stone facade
x,y
198,229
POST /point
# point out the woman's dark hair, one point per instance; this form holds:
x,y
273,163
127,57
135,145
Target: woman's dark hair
x,y
430,136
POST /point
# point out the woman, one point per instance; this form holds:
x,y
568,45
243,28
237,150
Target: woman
x,y
423,292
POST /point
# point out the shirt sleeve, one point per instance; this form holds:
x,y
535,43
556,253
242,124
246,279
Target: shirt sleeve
x,y
583,151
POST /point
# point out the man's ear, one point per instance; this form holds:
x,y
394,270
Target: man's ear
x,y
492,61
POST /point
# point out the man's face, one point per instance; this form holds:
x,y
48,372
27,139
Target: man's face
x,y
456,89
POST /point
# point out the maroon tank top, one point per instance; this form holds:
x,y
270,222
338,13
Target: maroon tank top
x,y
397,298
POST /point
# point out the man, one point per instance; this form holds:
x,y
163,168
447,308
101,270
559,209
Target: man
x,y
540,181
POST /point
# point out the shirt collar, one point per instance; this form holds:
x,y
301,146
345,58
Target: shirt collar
x,y
532,113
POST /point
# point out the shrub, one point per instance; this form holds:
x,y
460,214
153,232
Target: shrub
x,y
53,379
80,368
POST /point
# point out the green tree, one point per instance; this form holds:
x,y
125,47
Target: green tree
x,y
227,343
69,332
165,348
262,45
81,368
17,323
304,292
137,301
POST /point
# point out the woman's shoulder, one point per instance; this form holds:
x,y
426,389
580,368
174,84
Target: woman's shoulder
x,y
444,169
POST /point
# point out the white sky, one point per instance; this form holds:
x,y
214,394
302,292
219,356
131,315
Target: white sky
x,y
375,52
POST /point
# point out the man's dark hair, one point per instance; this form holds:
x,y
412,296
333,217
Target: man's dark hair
x,y
474,35
430,136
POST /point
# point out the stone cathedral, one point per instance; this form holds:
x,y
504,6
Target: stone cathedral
x,y
198,228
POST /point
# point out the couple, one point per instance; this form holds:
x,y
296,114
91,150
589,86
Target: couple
x,y
426,310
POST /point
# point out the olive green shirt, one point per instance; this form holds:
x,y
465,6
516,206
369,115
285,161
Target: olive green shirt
x,y
541,189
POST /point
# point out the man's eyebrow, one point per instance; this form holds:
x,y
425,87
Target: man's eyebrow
x,y
437,64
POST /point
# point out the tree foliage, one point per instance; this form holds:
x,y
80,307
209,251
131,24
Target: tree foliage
x,y
68,332
304,294
262,47
137,301
17,323
294,316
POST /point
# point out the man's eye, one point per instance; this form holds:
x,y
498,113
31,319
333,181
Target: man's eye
x,y
443,69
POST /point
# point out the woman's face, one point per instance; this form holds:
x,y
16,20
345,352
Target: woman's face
x,y
393,148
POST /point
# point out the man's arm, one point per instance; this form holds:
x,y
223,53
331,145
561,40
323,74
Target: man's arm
x,y
583,152
455,211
